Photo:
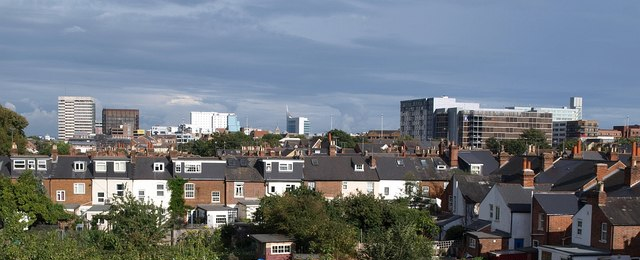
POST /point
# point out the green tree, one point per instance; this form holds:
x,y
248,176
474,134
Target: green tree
x,y
272,139
494,145
302,214
515,147
342,138
535,137
363,211
136,225
400,242
177,207
12,127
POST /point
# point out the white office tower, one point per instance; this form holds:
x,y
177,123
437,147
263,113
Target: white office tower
x,y
76,116
208,122
576,103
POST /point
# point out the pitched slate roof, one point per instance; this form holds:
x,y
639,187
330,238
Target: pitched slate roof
x,y
594,155
478,225
271,238
393,168
557,203
625,158
338,168
63,168
518,199
144,169
473,187
622,211
5,166
245,171
276,175
211,169
511,172
615,186
570,175
489,163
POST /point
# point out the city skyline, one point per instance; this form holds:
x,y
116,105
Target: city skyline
x,y
345,60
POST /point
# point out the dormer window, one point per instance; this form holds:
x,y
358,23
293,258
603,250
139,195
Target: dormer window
x,y
158,167
178,168
101,166
400,162
267,166
192,168
119,166
358,167
42,164
78,166
31,165
19,165
285,167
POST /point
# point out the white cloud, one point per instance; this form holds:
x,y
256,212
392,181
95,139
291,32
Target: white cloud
x,y
185,100
10,106
74,29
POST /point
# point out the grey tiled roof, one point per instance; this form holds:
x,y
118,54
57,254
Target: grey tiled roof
x,y
557,203
473,187
622,211
63,168
489,163
338,168
271,238
211,169
511,172
247,173
570,175
518,199
144,169
276,175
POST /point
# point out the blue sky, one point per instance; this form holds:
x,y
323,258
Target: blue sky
x,y
354,60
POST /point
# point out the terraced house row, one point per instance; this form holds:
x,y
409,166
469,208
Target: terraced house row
x,y
222,190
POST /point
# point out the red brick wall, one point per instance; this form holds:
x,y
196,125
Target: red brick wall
x,y
436,188
53,185
596,221
203,192
484,246
445,198
329,188
626,240
252,190
555,227
269,256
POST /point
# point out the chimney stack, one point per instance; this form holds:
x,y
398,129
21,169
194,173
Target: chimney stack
x,y
54,153
453,155
373,162
601,171
527,174
597,196
547,161
613,153
14,149
632,172
441,148
332,147
577,150
503,157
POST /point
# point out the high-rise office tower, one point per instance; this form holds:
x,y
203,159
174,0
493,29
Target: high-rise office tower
x,y
120,122
76,116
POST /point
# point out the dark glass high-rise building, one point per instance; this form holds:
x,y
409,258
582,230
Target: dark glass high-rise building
x,y
120,121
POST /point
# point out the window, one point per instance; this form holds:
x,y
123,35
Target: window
x,y
221,219
272,189
490,211
267,166
425,191
290,187
540,221
192,168
281,249
239,190
60,196
78,188
119,166
100,197
344,185
386,191
189,190
359,167
285,167
31,164
603,233
476,169
400,162
497,213
141,194
311,185
120,189
160,189
42,164
78,166
178,168
579,228
158,167
215,197
472,242
19,165
101,166
369,187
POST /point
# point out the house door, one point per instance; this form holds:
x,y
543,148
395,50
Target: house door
x,y
518,243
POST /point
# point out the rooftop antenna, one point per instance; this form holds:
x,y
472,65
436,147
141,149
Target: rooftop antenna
x,y
381,125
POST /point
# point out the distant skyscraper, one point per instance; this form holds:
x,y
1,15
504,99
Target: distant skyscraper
x,y
208,122
298,125
76,116
417,117
120,121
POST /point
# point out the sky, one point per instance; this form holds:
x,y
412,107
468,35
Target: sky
x,y
353,61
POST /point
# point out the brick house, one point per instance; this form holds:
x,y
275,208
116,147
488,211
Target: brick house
x,y
280,175
205,180
273,246
551,218
463,196
70,183
111,177
243,181
340,175
480,244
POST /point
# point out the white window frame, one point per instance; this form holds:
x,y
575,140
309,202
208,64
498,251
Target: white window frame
x,y
119,166
120,192
370,187
238,190
221,219
100,166
472,242
604,232
19,164
158,167
490,211
358,167
425,191
386,191
288,167
178,167
214,195
61,195
190,193
101,199
160,190
311,185
42,164
31,164
192,167
579,227
141,195
77,189
497,214
267,166
280,249
344,185
78,166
